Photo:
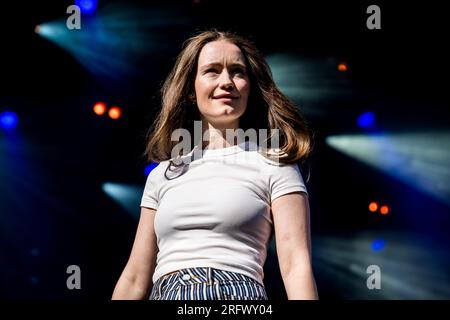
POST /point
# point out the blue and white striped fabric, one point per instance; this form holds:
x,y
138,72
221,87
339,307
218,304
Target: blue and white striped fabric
x,y
206,283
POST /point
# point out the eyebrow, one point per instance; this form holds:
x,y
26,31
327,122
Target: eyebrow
x,y
217,64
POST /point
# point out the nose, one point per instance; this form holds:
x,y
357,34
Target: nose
x,y
226,83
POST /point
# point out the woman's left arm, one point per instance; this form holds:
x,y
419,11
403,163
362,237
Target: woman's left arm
x,y
293,242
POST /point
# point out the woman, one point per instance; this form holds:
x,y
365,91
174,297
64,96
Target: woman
x,y
206,223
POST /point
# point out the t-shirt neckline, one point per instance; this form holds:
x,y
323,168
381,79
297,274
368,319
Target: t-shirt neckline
x,y
243,146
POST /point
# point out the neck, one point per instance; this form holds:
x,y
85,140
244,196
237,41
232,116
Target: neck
x,y
215,137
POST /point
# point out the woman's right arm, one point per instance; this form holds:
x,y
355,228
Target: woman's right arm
x,y
135,281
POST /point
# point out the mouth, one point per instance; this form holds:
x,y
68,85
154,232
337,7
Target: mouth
x,y
225,97
226,100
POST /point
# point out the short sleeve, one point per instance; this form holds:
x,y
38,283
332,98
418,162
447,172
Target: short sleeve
x,y
285,179
150,195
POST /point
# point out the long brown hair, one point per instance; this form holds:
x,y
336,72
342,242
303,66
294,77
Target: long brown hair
x,y
267,108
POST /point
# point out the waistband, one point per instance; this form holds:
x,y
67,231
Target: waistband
x,y
206,274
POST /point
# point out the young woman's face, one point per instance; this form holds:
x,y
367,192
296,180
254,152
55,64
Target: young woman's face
x,y
222,85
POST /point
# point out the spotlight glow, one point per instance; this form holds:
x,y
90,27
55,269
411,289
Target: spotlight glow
x,y
384,210
412,266
115,113
373,206
8,120
366,120
420,159
49,30
87,6
309,81
127,196
342,67
114,42
100,108
378,245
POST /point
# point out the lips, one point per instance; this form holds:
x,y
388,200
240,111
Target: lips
x,y
225,96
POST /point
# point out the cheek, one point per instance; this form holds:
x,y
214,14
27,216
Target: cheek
x,y
197,87
203,88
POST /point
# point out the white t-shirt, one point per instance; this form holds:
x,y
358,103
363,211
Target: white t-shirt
x,y
215,211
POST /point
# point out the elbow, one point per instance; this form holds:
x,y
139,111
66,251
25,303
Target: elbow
x,y
295,261
297,268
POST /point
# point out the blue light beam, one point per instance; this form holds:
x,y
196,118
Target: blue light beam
x,y
114,42
127,196
420,159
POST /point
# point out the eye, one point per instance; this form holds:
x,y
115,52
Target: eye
x,y
211,70
239,71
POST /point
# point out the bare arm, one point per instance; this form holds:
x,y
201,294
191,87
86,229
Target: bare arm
x,y
135,281
293,242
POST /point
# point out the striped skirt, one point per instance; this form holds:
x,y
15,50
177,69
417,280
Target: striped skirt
x,y
207,283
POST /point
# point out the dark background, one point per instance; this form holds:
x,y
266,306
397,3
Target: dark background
x,y
54,213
